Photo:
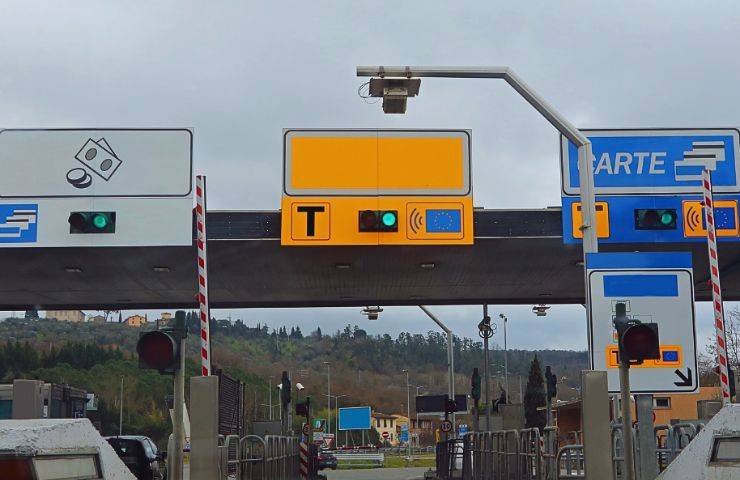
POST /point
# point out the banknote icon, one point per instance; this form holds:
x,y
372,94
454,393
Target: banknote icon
x,y
98,157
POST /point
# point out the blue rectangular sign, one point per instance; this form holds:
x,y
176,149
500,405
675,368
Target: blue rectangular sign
x,y
354,418
626,285
18,222
656,162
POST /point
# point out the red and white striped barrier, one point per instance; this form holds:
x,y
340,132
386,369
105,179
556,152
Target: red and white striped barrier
x,y
205,314
304,460
719,316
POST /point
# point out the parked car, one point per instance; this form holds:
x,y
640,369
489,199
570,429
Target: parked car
x,y
140,455
327,460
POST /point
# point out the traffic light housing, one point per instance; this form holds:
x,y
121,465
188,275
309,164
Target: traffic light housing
x,y
638,342
656,219
158,350
551,382
475,385
285,389
450,406
304,408
92,222
378,220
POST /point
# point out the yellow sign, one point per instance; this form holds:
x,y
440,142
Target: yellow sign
x,y
602,220
377,187
671,356
725,219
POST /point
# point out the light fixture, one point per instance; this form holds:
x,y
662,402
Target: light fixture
x,y
73,269
161,269
342,266
427,265
540,310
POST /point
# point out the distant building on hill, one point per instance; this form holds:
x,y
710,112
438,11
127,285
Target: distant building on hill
x,y
136,321
96,319
74,316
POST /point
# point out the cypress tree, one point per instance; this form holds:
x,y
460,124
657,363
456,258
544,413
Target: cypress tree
x,y
534,397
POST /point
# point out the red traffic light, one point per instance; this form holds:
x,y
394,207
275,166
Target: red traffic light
x,y
157,350
640,342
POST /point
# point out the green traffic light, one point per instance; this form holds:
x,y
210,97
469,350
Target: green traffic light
x,y
100,221
389,219
666,218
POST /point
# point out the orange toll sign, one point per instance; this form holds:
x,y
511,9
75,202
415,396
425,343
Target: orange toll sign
x,y
377,187
725,213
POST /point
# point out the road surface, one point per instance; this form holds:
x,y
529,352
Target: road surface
x,y
414,473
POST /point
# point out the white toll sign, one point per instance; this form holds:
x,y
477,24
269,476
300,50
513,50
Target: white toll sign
x,y
95,187
656,288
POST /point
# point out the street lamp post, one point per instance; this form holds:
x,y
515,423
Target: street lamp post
x,y
408,413
328,396
450,356
506,358
408,77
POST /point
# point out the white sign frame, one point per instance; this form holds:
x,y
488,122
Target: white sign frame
x,y
674,314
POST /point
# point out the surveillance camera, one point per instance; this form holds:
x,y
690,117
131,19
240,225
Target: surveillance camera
x,y
394,92
372,313
279,386
299,386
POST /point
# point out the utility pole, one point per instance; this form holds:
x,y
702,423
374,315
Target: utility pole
x,y
624,387
408,413
269,390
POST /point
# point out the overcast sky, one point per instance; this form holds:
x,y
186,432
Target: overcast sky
x,y
239,72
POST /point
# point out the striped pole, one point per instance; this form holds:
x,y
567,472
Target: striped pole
x,y
304,460
205,314
719,316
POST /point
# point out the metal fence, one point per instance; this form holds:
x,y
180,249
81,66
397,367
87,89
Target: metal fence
x,y
528,455
253,457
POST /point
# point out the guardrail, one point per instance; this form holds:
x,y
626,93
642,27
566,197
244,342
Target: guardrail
x,y
375,459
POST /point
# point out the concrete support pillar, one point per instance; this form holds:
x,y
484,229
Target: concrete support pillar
x,y
204,459
595,424
28,399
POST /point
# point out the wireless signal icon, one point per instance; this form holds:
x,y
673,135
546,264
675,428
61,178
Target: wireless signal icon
x,y
416,221
694,218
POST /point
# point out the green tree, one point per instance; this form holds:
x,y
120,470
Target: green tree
x,y
534,397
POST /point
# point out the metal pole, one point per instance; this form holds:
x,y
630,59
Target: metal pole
x,y
486,376
629,454
450,356
120,411
269,389
506,360
328,396
646,437
408,414
177,427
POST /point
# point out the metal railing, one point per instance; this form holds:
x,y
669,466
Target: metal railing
x,y
527,455
256,458
569,463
